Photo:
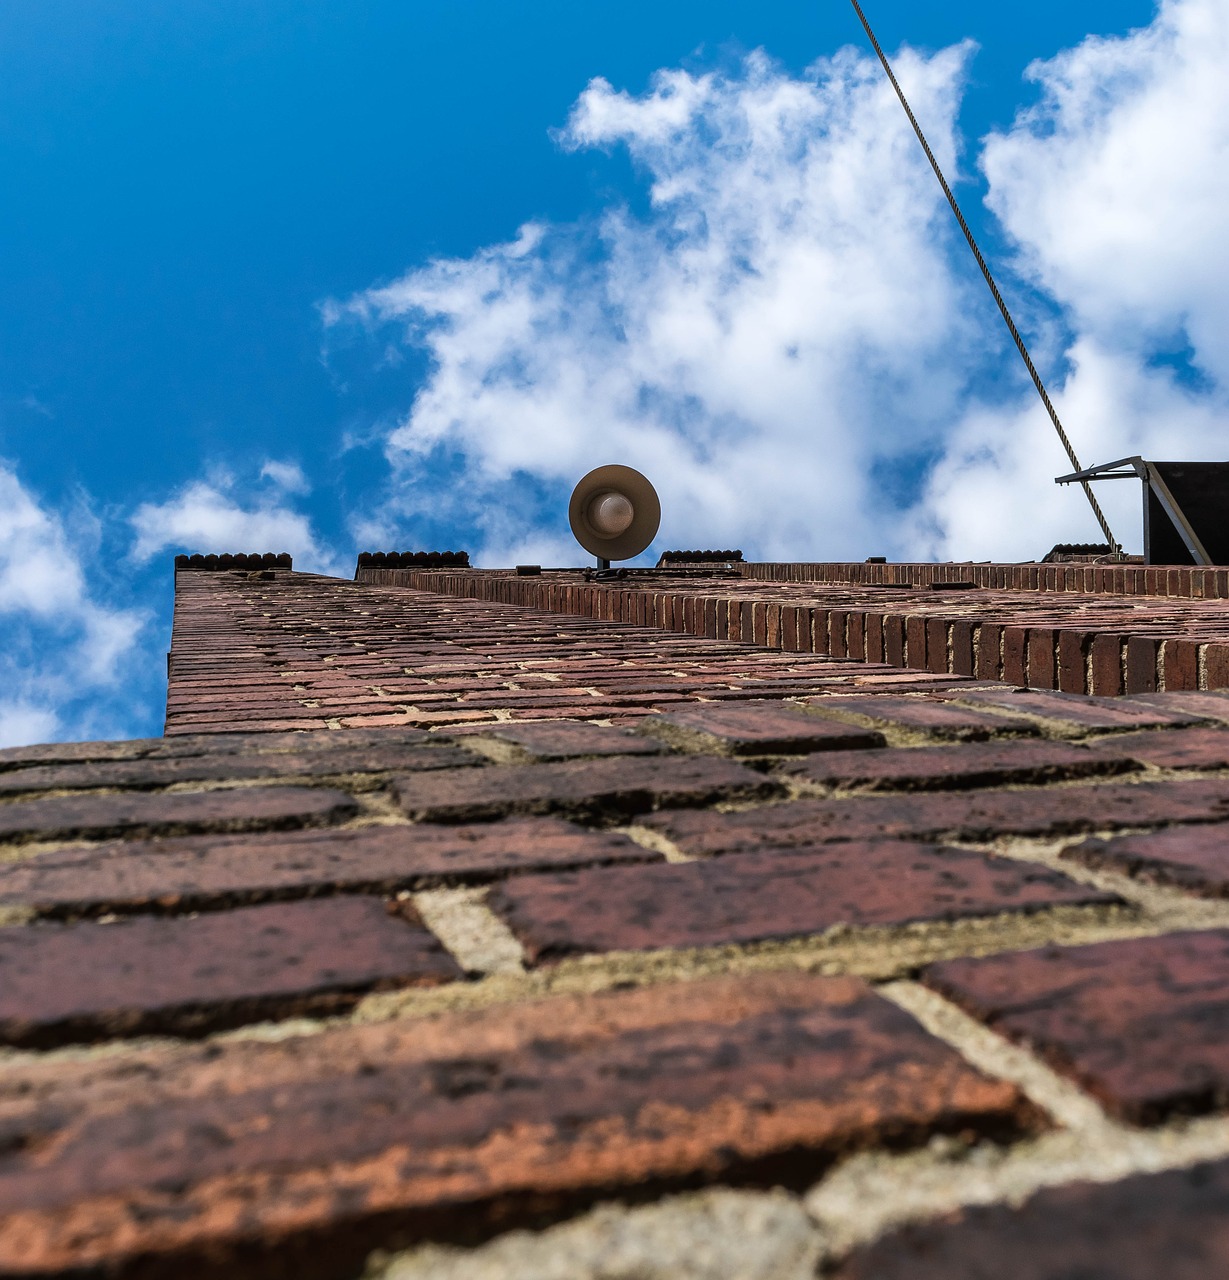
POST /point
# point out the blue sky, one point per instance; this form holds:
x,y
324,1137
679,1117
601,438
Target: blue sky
x,y
202,202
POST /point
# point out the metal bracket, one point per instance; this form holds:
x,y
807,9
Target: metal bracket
x,y
1137,467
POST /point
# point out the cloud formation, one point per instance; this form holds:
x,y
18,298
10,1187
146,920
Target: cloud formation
x,y
217,515
790,341
1114,188
64,651
781,324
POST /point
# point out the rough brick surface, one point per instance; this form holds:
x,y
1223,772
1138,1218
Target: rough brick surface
x,y
60,983
559,740
1194,749
1173,1225
144,774
1142,1024
770,895
1071,715
204,872
977,764
1193,858
594,788
754,728
980,815
921,715
413,1125
236,809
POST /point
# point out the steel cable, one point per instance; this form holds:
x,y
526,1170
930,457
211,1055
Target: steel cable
x,y
1114,545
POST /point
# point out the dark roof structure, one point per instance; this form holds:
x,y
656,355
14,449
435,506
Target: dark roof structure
x,y
864,921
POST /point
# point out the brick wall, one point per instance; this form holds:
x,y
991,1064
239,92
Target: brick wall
x,y
435,919
1103,642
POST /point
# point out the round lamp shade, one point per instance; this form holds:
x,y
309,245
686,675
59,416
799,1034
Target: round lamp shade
x,y
614,513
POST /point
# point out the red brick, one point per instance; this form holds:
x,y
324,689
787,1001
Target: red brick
x,y
1106,651
1197,748
410,1129
237,809
286,765
763,896
915,642
1141,664
559,740
1181,664
920,715
754,728
789,628
202,872
1192,858
1142,1024
873,624
1015,640
989,651
590,788
69,982
960,765
856,642
1073,661
980,815
962,648
936,646
1070,715
838,623
1216,666
1173,1225
894,640
1196,706
1042,669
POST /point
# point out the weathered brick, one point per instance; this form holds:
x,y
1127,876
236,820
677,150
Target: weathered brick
x,y
235,809
935,719
1015,655
1106,661
1181,664
1216,666
962,648
1198,706
754,728
1073,661
979,815
1173,1224
68,982
1197,748
1142,1024
412,1129
894,640
593,788
1192,858
937,645
772,895
915,642
1071,715
195,873
212,745
148,774
559,740
959,765
1141,664
1042,668
989,651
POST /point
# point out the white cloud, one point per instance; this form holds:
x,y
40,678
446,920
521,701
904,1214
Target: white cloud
x,y
1115,187
208,517
61,645
287,476
793,321
783,319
